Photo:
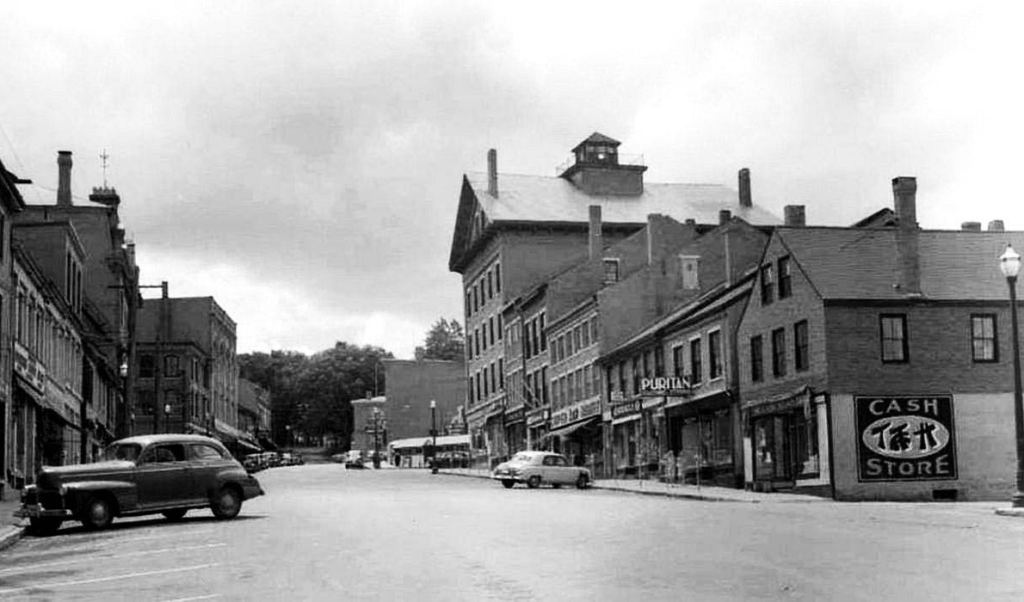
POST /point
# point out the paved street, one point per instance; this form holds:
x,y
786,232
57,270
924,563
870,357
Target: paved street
x,y
324,533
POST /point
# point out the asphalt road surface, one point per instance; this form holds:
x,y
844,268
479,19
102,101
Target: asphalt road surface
x,y
324,533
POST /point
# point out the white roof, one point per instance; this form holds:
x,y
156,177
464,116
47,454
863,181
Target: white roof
x,y
425,441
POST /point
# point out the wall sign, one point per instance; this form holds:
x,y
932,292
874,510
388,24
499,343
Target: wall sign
x,y
905,438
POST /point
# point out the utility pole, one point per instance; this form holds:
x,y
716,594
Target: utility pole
x,y
161,322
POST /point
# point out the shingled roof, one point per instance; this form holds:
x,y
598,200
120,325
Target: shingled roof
x,y
844,263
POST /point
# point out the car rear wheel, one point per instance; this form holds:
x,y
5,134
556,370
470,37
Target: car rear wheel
x,y
226,504
582,481
508,484
533,482
45,526
98,514
177,514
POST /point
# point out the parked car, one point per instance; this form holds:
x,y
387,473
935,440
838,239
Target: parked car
x,y
150,474
536,468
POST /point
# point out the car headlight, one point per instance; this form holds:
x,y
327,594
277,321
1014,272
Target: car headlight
x,y
63,490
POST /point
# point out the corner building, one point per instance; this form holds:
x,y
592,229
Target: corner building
x,y
876,362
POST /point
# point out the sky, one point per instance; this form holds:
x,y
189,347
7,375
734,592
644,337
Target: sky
x,y
301,161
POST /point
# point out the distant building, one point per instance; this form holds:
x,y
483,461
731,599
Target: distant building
x,y
412,385
11,202
370,425
254,412
187,360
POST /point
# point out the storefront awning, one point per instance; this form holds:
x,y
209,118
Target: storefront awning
x,y
244,445
571,429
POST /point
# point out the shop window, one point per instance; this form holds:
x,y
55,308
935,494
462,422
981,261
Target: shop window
x,y
778,352
785,278
894,338
801,355
715,354
984,344
756,359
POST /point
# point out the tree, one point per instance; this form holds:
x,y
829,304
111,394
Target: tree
x,y
445,341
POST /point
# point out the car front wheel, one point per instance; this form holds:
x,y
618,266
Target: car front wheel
x,y
533,482
98,514
226,504
582,482
508,483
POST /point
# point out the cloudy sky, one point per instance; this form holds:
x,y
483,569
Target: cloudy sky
x,y
301,161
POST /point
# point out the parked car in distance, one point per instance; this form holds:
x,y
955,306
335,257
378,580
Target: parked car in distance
x,y
536,468
149,474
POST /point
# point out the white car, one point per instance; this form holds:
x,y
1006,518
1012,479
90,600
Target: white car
x,y
536,468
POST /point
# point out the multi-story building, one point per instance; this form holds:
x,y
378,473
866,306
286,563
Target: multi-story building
x,y
110,293
671,391
11,202
187,361
513,233
875,363
370,425
49,408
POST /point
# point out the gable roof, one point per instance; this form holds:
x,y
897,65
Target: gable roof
x,y
845,263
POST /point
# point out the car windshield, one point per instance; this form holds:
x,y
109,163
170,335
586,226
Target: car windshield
x,y
122,451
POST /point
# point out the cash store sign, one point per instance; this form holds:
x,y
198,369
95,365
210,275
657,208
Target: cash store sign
x,y
905,438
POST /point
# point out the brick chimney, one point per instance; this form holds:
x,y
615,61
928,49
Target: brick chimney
x,y
64,179
795,215
492,172
904,191
745,199
595,240
970,226
996,225
724,215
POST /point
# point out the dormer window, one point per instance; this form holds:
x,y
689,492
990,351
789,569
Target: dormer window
x,y
611,270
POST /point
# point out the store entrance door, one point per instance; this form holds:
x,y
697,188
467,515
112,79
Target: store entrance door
x,y
773,457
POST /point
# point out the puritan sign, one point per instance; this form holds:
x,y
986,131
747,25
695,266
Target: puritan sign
x,y
905,438
672,386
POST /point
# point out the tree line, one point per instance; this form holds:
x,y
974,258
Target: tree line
x,y
312,394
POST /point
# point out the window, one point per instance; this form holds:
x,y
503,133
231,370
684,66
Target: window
x,y
202,451
756,359
785,278
677,361
490,325
171,367
469,304
593,329
497,277
778,352
543,337
147,366
476,342
696,371
715,354
476,300
490,285
611,271
767,282
622,378
586,335
544,385
659,361
501,373
984,345
500,328
801,357
894,338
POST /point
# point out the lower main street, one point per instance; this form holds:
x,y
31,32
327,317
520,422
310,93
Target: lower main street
x,y
326,533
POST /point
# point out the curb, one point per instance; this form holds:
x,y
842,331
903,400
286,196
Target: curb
x,y
10,536
686,496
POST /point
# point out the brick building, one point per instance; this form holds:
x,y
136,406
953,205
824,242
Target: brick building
x,y
187,361
412,385
513,232
876,363
11,202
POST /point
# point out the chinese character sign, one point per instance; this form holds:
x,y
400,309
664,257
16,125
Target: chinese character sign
x,y
906,438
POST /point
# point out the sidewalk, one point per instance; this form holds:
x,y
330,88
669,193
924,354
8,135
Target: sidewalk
x,y
11,528
714,494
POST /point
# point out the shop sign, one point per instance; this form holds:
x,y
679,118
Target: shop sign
x,y
672,386
626,408
29,368
537,417
516,415
574,413
906,438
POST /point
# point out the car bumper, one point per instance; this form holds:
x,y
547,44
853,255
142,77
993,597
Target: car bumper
x,y
37,511
252,489
507,477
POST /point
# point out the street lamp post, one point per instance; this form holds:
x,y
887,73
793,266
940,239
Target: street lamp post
x,y
1009,263
433,433
376,438
167,418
